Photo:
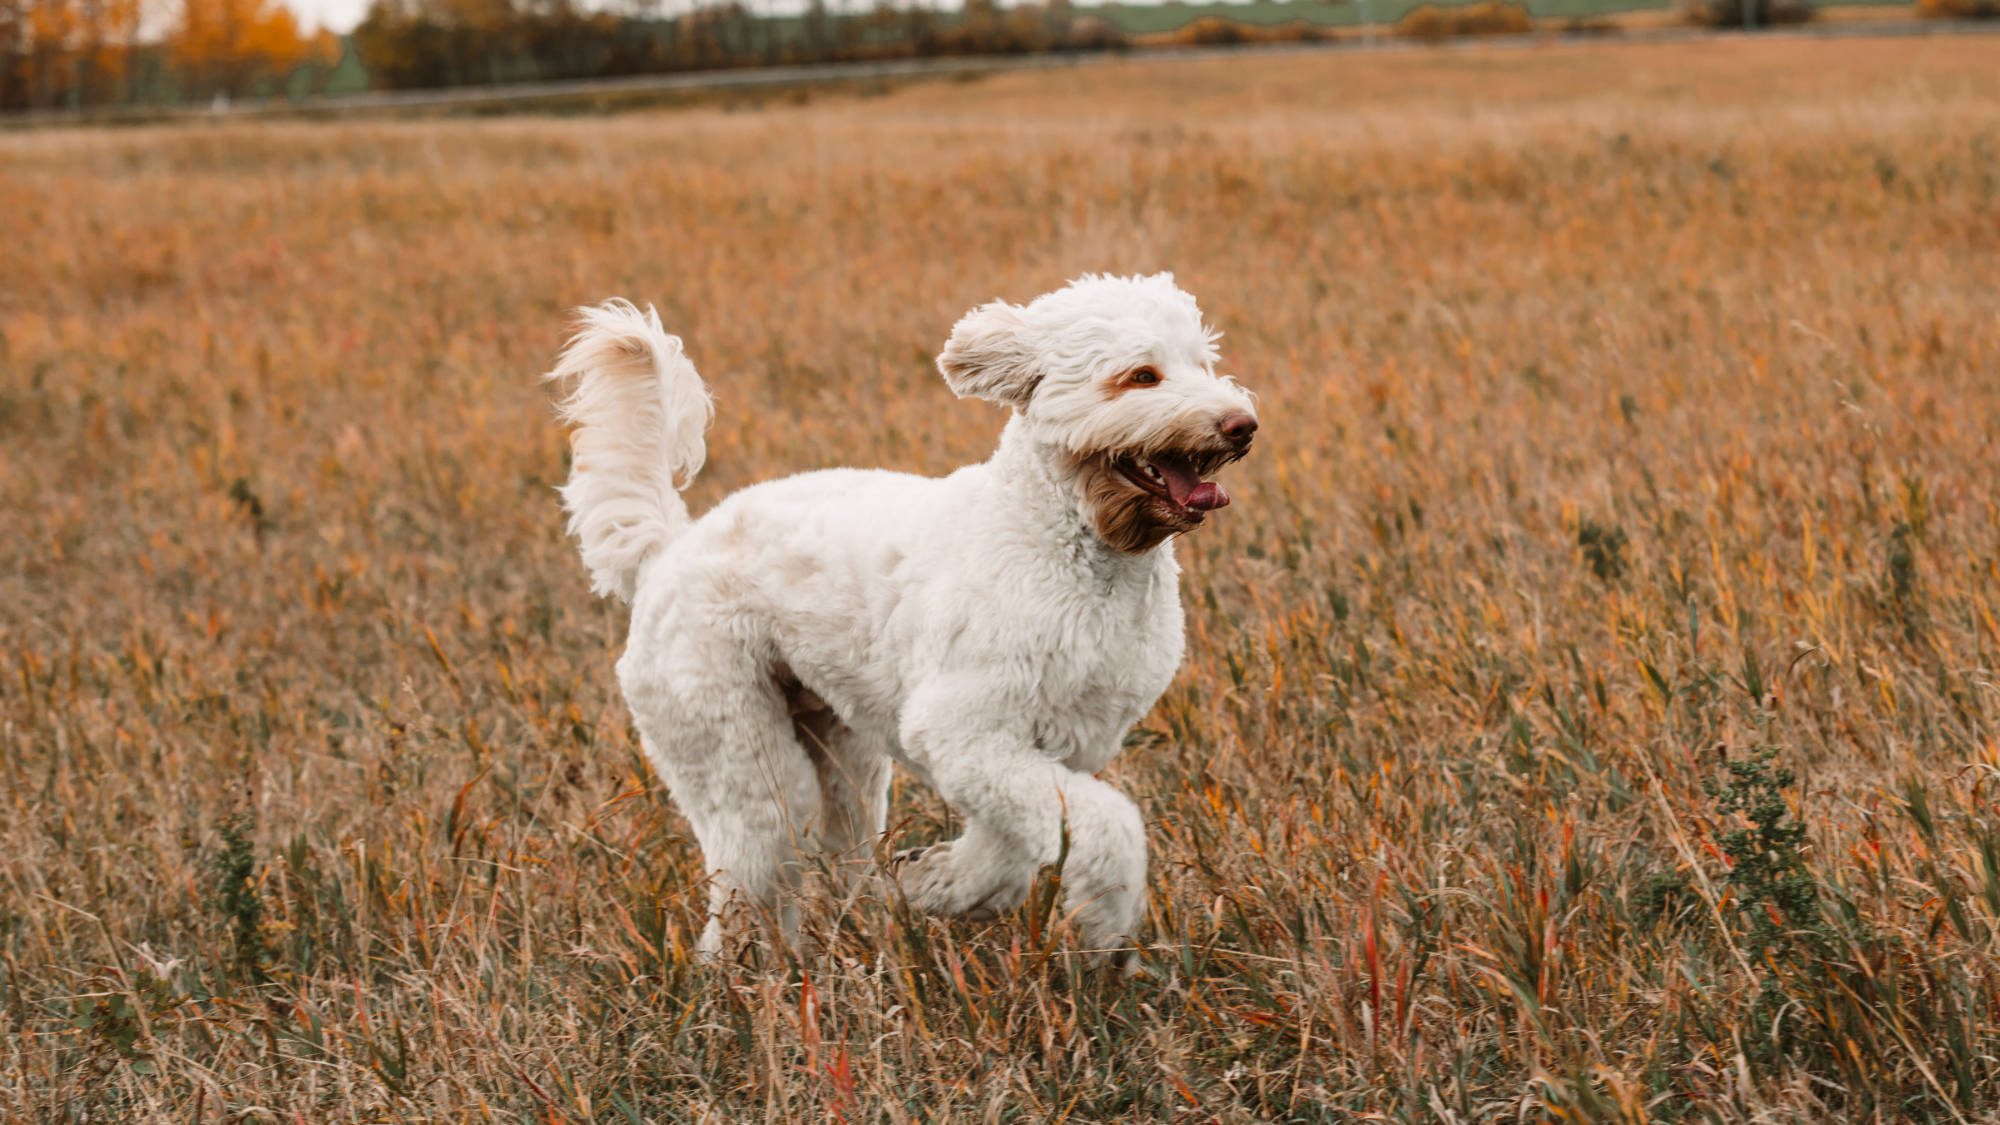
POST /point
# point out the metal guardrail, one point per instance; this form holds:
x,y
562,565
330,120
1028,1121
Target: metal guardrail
x,y
821,74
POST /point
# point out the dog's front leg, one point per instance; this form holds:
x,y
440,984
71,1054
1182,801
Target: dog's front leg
x,y
1018,805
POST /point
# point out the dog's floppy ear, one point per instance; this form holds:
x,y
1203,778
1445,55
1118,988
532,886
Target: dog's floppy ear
x,y
990,356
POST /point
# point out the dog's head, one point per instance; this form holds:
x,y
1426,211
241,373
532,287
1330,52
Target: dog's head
x,y
1116,375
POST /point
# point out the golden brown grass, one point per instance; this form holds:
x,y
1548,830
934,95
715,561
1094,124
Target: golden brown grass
x,y
1627,410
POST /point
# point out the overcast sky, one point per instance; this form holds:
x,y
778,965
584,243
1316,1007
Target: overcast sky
x,y
335,15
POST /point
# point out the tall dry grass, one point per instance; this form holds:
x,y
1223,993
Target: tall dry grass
x,y
1628,411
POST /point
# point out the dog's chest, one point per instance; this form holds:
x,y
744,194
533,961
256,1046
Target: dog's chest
x,y
1103,669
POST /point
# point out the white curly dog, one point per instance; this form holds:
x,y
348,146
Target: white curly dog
x,y
996,630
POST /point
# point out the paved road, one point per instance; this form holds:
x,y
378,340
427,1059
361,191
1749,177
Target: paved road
x,y
525,95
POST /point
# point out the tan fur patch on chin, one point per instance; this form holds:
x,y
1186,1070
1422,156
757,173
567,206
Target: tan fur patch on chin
x,y
1125,517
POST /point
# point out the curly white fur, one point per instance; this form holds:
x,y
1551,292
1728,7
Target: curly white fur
x,y
640,411
978,628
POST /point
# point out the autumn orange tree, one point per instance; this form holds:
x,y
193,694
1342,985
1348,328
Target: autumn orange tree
x,y
66,52
224,46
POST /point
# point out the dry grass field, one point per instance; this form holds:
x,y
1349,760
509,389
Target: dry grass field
x,y
1590,711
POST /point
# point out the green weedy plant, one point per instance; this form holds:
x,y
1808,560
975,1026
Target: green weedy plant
x,y
1603,548
1773,891
237,898
1905,594
1767,872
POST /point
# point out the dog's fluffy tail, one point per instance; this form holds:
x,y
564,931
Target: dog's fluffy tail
x,y
640,410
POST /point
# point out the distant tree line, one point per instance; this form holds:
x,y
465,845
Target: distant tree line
x,y
92,53
422,43
85,53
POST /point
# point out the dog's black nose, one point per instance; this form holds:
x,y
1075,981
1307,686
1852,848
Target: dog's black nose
x,y
1238,427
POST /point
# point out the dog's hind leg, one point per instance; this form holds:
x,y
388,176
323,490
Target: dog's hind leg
x,y
853,769
729,756
854,798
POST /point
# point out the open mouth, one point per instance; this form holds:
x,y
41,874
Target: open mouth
x,y
1176,480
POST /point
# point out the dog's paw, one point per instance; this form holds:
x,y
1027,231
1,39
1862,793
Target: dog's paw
x,y
908,856
1119,965
937,884
927,878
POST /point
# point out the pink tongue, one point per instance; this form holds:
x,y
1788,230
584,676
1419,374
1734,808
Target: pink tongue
x,y
1189,490
1207,496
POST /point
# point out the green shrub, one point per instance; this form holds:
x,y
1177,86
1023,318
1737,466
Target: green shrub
x,y
1748,13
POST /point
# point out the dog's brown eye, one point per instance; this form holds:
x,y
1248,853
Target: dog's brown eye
x,y
1144,377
